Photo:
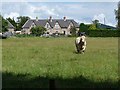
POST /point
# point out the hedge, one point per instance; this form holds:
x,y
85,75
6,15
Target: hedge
x,y
103,33
24,35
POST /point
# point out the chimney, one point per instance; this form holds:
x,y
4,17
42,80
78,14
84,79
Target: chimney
x,y
64,18
36,18
50,19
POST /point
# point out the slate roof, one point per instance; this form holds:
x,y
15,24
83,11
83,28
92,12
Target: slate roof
x,y
105,26
62,23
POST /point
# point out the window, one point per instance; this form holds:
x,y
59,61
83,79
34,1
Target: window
x,y
47,25
33,25
57,26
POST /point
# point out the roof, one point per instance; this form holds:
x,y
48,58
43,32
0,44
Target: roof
x,y
10,25
42,22
105,26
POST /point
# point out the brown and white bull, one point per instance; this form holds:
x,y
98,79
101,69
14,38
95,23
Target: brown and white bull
x,y
80,43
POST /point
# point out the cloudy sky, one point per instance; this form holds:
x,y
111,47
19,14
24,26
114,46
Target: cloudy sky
x,y
82,12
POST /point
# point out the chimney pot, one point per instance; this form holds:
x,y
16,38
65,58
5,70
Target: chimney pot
x,y
50,19
64,18
36,18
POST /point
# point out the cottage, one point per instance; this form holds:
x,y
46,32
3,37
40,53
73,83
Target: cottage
x,y
53,26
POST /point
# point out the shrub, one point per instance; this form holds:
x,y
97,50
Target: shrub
x,y
24,35
38,31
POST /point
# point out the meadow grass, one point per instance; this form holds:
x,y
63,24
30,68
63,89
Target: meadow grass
x,y
34,60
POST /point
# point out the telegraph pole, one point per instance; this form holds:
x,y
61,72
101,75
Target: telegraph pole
x,y
104,20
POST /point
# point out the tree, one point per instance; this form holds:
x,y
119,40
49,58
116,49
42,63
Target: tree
x,y
117,13
92,27
73,31
12,21
21,21
38,30
83,27
95,22
4,24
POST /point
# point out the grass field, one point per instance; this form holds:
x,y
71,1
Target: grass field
x,y
31,62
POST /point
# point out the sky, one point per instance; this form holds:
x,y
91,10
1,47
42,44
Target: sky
x,y
81,12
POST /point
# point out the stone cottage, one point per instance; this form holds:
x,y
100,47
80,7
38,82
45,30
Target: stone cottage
x,y
53,26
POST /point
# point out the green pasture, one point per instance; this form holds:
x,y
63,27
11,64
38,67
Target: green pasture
x,y
32,62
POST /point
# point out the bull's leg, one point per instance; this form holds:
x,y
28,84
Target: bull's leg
x,y
83,49
77,47
78,50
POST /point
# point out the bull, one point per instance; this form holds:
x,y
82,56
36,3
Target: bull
x,y
80,44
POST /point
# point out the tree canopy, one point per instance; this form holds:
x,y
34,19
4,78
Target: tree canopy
x,y
21,21
4,24
12,21
96,23
92,27
38,30
73,31
83,27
